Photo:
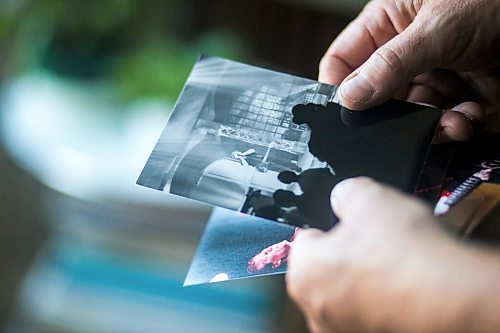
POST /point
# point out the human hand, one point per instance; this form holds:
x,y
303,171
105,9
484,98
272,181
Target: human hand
x,y
417,50
389,267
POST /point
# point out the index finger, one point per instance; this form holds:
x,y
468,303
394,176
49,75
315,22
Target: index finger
x,y
363,200
376,25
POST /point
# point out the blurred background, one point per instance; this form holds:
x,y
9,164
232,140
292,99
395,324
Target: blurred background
x,y
86,87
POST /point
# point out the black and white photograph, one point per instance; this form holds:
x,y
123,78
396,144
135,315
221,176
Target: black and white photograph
x,y
236,245
274,145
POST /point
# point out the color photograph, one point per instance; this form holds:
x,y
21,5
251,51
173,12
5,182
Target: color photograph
x,y
235,246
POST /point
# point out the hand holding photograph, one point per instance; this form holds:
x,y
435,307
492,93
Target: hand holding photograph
x,y
273,145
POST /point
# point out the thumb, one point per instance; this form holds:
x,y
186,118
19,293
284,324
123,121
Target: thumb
x,y
389,68
364,201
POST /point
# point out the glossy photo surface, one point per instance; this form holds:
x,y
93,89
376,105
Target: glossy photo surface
x,y
273,145
236,245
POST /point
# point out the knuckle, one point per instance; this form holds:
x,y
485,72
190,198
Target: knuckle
x,y
371,5
388,57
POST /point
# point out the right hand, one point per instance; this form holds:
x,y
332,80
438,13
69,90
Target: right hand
x,y
422,51
389,267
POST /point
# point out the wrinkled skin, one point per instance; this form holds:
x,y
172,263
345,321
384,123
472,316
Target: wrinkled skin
x,y
389,267
444,53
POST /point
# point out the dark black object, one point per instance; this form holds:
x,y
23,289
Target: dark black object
x,y
388,143
273,145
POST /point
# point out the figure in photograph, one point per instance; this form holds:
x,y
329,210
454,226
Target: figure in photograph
x,y
274,255
230,241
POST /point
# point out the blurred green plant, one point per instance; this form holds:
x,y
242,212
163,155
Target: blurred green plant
x,y
160,68
145,48
29,27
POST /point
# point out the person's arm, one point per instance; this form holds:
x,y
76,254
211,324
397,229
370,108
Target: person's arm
x,y
389,267
412,50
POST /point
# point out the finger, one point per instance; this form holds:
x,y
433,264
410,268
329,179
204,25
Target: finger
x,y
370,30
472,111
362,200
394,64
402,92
308,306
448,84
424,95
304,243
458,123
333,69
304,251
307,236
315,325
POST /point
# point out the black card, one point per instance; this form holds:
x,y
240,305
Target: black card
x,y
274,145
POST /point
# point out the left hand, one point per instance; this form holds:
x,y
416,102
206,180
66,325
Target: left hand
x,y
424,52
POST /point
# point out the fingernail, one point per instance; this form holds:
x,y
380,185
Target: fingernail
x,y
357,90
466,115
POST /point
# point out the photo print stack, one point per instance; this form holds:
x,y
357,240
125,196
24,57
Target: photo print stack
x,y
272,146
